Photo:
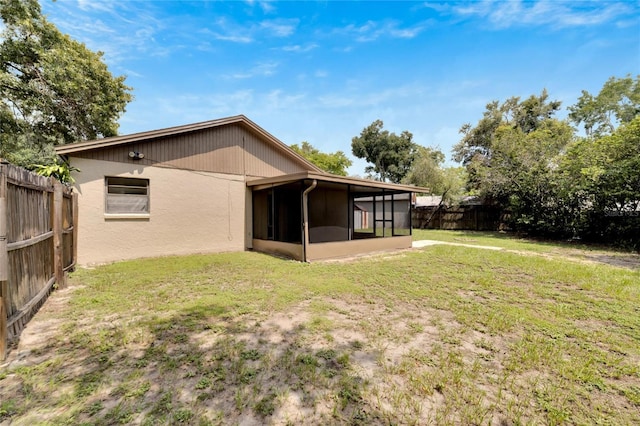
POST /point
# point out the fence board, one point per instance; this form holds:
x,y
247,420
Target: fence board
x,y
39,226
469,217
4,265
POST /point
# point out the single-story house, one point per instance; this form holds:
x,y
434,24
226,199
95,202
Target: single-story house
x,y
225,185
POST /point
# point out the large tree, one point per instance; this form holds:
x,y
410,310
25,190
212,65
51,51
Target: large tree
x,y
512,156
333,162
53,89
553,182
526,116
618,102
390,155
427,171
600,176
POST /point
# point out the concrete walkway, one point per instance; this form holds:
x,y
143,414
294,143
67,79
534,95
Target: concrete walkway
x,y
426,243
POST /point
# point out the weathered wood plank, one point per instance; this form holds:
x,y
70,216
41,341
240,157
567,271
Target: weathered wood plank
x,y
3,331
31,241
30,267
4,263
4,256
74,241
58,255
35,302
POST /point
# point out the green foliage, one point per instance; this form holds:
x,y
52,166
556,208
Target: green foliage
x,y
53,90
554,184
391,155
526,117
266,406
601,178
59,170
617,103
336,162
511,157
427,172
24,149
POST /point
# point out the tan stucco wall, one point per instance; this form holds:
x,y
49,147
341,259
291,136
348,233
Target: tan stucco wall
x,y
321,251
291,250
333,250
190,212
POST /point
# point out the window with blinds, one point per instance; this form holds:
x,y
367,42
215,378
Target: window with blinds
x,y
126,195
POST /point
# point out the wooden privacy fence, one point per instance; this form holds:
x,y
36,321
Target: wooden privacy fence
x,y
38,241
463,217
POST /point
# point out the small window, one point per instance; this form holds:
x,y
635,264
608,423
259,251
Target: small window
x,y
127,195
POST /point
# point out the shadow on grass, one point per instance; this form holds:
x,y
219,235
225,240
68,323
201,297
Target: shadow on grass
x,y
201,366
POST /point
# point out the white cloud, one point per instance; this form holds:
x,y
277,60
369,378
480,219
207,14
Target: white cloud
x,y
505,14
225,30
119,29
357,98
132,73
102,6
279,27
266,6
187,108
277,99
264,69
438,7
297,48
372,30
234,38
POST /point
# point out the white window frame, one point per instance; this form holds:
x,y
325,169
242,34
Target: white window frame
x,y
126,197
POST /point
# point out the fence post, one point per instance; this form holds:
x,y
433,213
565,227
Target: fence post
x,y
58,258
4,263
74,206
475,211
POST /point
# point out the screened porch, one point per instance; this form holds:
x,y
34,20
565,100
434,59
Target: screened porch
x,y
312,216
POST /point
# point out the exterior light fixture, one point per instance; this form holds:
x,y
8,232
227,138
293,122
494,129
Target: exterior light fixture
x,y
136,155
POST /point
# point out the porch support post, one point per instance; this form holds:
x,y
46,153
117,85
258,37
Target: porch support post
x,y
349,214
305,219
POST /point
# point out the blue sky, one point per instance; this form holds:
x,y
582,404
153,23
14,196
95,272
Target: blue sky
x,y
322,71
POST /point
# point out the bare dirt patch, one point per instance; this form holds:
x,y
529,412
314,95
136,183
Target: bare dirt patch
x,y
451,338
323,360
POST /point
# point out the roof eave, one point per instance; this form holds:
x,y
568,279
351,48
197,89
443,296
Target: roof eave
x,y
328,177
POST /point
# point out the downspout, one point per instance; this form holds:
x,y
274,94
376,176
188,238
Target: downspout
x,y
305,219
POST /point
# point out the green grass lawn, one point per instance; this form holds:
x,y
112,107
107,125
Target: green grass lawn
x,y
441,335
496,239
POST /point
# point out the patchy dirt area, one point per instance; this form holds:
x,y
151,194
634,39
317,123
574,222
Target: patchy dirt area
x,y
487,346
36,337
323,361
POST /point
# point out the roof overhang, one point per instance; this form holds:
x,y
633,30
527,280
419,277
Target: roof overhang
x,y
356,184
